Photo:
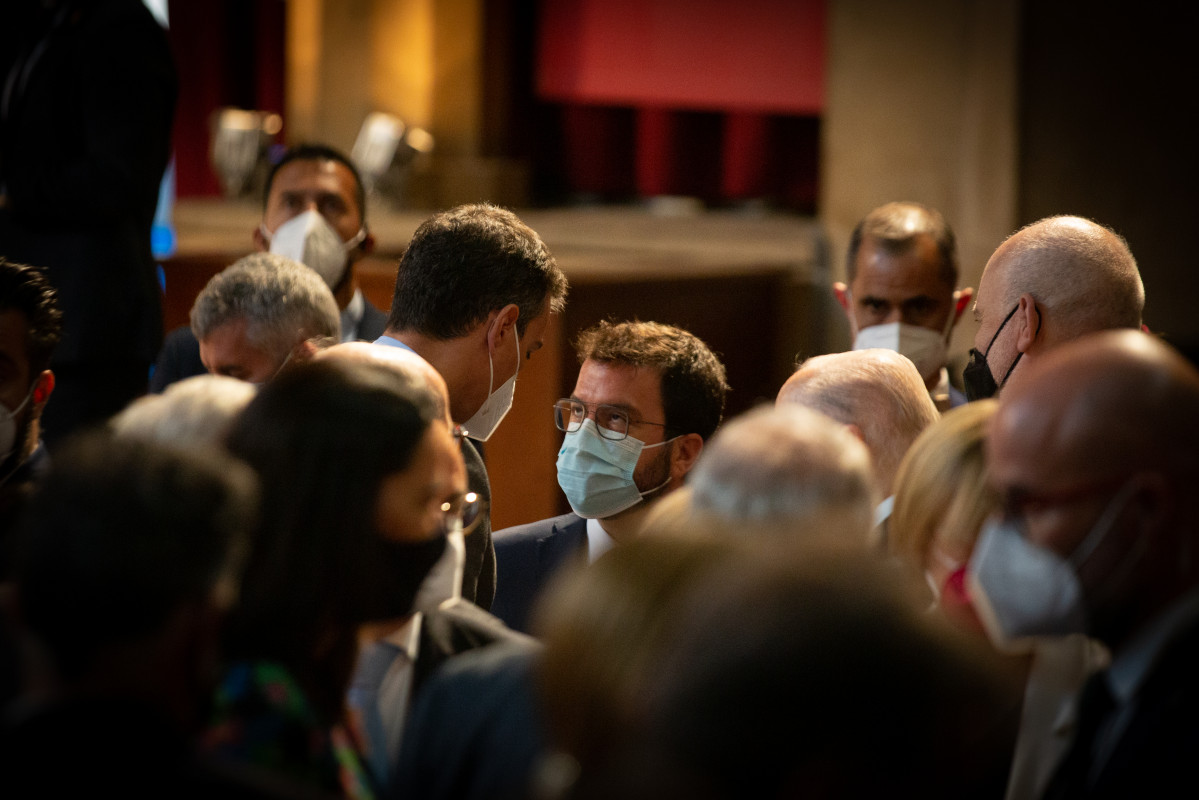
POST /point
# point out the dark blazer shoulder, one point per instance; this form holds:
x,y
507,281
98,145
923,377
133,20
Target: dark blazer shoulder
x,y
374,322
526,556
1155,753
179,358
566,524
456,627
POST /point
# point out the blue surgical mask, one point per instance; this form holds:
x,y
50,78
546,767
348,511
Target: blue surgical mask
x,y
597,473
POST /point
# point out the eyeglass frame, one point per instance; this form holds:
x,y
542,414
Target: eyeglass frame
x,y
473,506
593,411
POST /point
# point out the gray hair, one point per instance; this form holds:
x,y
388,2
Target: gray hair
x,y
194,412
784,464
879,391
282,301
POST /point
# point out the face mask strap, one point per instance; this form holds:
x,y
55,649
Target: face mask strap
x,y
1102,526
998,331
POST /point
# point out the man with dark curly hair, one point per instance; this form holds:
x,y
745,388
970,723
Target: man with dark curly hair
x,y
647,398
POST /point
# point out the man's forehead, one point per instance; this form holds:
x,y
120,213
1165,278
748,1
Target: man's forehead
x,y
314,177
619,383
913,271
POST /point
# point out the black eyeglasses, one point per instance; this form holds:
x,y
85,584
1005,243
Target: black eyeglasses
x,y
466,510
611,421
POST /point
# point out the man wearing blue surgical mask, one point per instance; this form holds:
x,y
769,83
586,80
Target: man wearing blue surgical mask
x,y
901,294
647,398
1092,453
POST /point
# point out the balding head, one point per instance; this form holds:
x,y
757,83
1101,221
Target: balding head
x,y
1058,279
1105,428
785,464
879,394
399,359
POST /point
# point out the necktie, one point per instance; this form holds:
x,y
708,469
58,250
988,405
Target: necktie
x,y
1095,704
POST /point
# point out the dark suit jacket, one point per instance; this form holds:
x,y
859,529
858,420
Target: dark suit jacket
x,y
479,576
1155,756
455,628
474,730
180,354
83,147
527,556
373,324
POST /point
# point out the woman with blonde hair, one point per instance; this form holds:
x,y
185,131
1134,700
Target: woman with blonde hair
x,y
941,501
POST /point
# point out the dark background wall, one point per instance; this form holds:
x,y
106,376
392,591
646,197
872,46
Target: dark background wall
x,y
1107,111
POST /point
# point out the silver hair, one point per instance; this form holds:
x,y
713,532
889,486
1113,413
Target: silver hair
x,y
879,391
194,412
784,464
282,301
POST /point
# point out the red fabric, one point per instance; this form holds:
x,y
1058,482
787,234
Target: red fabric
x,y
227,53
766,56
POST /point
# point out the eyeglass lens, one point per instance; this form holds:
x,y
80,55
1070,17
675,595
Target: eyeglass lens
x,y
613,422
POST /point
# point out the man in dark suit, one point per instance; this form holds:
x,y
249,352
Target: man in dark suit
x,y
474,292
647,398
314,212
87,97
1093,455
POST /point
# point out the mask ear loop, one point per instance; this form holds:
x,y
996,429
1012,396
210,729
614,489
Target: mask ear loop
x,y
1102,526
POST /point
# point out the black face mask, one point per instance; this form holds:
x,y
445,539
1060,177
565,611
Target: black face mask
x,y
977,377
393,575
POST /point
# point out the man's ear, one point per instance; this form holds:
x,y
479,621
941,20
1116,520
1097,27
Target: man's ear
x,y
1028,317
503,325
686,452
304,352
841,292
367,245
260,241
961,301
857,432
43,387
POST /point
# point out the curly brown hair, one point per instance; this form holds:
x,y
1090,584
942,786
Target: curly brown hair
x,y
694,384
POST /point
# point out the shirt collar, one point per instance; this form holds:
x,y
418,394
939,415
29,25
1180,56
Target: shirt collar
x,y
351,317
598,540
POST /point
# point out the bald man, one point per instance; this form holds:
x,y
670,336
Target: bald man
x,y
878,394
1049,283
1094,452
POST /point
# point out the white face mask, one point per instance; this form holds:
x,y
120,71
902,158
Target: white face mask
x,y
1022,591
311,240
489,416
444,581
924,347
8,428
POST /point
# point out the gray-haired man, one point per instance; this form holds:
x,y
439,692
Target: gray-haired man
x,y
258,313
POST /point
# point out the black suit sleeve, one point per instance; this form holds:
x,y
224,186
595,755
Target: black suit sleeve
x,y
478,581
